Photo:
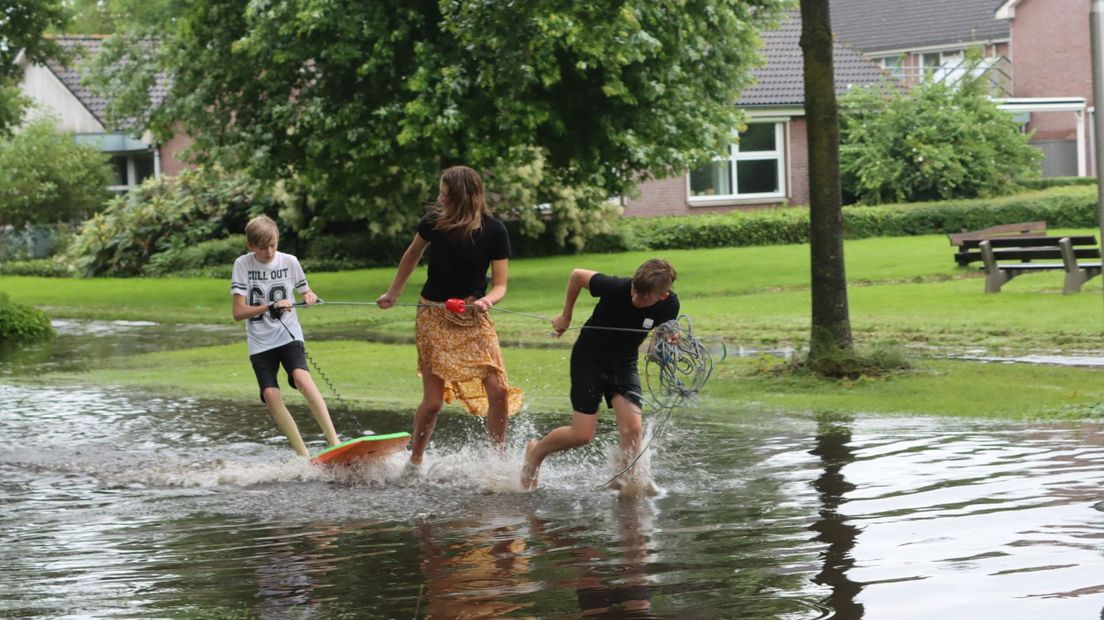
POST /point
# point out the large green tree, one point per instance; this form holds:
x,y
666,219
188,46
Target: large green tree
x,y
357,105
22,24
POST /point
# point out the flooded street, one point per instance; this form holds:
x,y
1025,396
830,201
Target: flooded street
x,y
126,505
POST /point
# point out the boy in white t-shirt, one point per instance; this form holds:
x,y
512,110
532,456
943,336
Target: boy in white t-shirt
x,y
261,285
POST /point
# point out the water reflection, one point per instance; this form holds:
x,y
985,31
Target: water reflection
x,y
81,344
609,585
116,504
833,436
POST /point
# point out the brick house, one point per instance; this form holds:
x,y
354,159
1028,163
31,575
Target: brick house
x,y
1051,55
57,91
913,40
769,165
1036,54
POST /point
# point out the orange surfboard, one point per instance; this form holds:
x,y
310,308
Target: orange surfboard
x,y
366,447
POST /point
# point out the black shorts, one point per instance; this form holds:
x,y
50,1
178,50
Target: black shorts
x,y
267,363
593,378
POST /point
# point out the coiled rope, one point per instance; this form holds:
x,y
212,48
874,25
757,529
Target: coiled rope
x,y
681,364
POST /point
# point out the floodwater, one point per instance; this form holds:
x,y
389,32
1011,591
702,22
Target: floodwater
x,y
121,504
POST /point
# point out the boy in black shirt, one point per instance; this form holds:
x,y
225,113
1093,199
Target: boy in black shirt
x,y
604,358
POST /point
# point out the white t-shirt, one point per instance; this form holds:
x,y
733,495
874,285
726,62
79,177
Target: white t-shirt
x,y
262,284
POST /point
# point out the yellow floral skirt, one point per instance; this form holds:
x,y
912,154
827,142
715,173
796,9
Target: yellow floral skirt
x,y
462,349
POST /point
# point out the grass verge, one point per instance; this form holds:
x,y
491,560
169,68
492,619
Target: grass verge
x,y
903,290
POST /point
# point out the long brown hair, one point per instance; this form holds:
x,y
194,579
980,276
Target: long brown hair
x,y
462,211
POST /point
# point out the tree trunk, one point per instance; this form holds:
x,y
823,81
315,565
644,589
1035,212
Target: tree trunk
x,y
831,324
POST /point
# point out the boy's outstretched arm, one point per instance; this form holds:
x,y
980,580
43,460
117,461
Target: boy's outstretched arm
x,y
580,279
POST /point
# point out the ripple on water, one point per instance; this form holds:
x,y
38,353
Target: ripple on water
x,y
126,505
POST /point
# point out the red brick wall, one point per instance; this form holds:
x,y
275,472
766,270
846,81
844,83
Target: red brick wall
x,y
172,163
798,154
669,196
1052,57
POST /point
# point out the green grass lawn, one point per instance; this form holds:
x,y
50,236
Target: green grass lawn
x,y
382,376
904,290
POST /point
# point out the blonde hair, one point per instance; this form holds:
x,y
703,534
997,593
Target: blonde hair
x,y
464,206
654,276
260,231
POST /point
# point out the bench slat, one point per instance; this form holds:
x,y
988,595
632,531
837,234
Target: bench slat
x,y
1028,242
1019,228
1026,254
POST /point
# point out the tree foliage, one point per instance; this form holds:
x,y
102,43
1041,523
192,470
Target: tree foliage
x,y
358,105
22,24
47,178
936,141
117,16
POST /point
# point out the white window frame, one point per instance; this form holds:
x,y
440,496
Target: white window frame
x,y
735,156
132,171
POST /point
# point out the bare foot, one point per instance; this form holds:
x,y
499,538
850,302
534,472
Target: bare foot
x,y
529,470
411,471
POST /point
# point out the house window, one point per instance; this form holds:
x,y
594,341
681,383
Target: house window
x,y
894,65
930,62
130,169
753,169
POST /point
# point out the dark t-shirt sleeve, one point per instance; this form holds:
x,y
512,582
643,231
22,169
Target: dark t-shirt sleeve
x,y
602,285
499,242
425,227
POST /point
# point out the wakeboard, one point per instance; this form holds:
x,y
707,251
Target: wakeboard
x,y
361,448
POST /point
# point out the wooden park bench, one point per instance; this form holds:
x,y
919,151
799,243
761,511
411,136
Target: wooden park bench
x,y
1004,259
967,241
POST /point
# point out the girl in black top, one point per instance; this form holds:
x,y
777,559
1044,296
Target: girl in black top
x,y
458,354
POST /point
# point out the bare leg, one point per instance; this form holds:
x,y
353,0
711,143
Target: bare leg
x,y
282,417
630,427
305,384
425,417
578,434
497,410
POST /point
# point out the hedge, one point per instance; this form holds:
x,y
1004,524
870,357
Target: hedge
x,y
1061,207
1048,182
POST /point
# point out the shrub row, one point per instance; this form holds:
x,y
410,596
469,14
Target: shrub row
x,y
1063,207
40,267
1047,182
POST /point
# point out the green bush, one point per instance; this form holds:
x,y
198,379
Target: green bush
x,y
354,250
1048,182
165,215
935,141
40,267
22,322
47,178
198,259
